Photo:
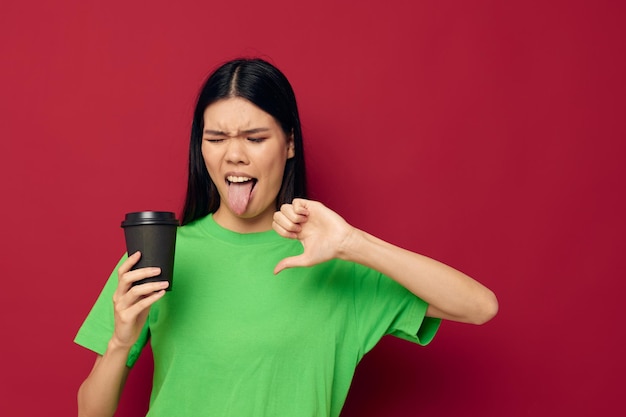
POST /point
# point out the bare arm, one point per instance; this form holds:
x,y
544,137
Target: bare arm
x,y
450,294
325,235
99,394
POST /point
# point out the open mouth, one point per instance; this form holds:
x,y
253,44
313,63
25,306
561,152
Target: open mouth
x,y
239,192
231,179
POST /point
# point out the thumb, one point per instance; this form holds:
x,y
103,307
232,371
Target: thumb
x,y
290,262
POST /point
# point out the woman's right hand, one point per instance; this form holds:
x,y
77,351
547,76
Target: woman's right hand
x,y
99,394
132,303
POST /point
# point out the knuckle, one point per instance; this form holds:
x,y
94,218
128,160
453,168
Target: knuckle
x,y
135,290
126,317
125,278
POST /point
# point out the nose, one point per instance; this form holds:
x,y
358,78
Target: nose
x,y
236,151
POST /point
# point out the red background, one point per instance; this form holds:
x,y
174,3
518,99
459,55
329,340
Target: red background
x,y
489,135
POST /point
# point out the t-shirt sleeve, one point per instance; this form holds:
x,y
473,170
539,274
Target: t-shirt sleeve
x,y
97,329
382,306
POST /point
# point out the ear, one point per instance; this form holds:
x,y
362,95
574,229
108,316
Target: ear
x,y
291,148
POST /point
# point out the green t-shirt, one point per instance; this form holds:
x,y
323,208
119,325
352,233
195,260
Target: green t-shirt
x,y
233,339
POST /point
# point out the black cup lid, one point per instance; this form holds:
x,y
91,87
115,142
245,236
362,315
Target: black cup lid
x,y
150,217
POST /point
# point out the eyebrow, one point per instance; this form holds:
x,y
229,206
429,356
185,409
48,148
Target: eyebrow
x,y
242,132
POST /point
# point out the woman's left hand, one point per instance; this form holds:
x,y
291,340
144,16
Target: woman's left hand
x,y
325,235
322,232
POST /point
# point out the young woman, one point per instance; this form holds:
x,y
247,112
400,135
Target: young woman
x,y
277,297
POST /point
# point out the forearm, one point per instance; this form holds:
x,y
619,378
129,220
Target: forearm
x,y
450,293
99,394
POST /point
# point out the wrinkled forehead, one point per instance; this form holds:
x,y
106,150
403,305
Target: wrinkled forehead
x,y
235,115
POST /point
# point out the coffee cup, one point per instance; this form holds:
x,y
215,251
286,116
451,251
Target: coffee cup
x,y
153,233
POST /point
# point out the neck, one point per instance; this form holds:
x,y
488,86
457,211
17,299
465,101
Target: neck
x,y
243,224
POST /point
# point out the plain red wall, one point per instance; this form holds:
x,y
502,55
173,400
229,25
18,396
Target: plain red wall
x,y
489,135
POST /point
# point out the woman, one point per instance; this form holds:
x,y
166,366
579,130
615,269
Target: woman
x,y
234,339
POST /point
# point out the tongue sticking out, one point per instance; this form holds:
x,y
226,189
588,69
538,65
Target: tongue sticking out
x,y
239,196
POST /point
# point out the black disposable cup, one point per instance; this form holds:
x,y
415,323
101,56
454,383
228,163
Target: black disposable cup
x,y
153,233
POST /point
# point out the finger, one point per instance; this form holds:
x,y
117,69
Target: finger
x,y
131,313
139,292
301,206
127,279
282,231
291,213
126,266
286,223
291,262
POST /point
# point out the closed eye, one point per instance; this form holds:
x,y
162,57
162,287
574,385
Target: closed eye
x,y
256,140
213,140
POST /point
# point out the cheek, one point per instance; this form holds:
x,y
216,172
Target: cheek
x,y
206,156
277,168
211,165
278,173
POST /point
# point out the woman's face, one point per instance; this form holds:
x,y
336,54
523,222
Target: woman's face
x,y
245,151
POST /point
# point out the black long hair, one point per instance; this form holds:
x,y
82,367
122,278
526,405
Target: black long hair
x,y
266,87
